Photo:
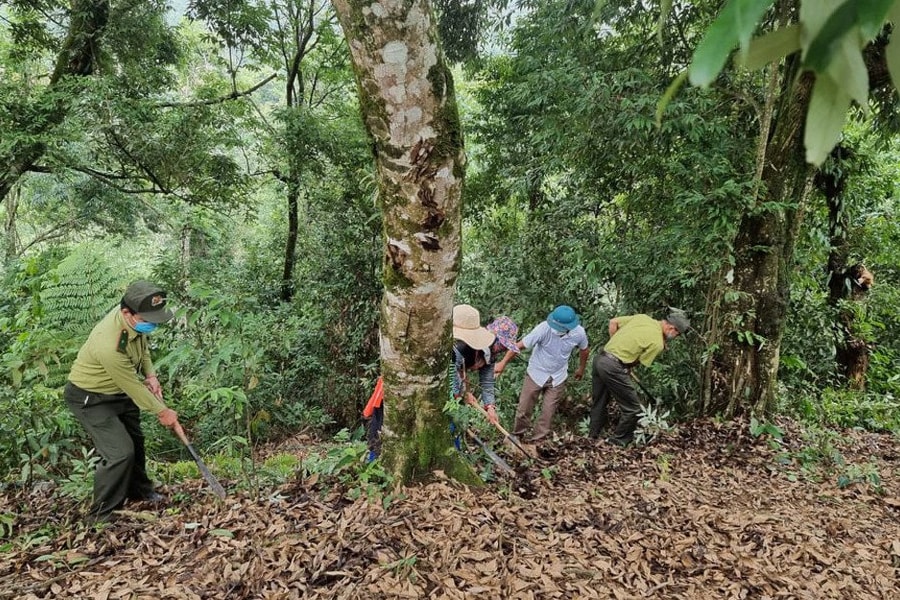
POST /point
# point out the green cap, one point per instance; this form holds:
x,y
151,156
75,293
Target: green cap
x,y
147,300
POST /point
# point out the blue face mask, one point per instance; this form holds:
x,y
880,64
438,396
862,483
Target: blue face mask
x,y
144,327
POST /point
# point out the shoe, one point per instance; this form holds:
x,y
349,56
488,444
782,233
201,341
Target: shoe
x,y
153,498
618,442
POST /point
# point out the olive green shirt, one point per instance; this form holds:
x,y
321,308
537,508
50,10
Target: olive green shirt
x,y
109,363
639,338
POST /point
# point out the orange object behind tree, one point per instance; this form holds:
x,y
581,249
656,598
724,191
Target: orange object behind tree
x,y
375,399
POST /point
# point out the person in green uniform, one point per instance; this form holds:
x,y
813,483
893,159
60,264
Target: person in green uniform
x,y
111,380
633,340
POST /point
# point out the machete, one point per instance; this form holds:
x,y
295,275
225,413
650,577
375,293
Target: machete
x,y
641,385
512,439
214,484
495,458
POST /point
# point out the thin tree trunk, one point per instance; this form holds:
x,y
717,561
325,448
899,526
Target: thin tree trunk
x,y
409,109
290,246
11,238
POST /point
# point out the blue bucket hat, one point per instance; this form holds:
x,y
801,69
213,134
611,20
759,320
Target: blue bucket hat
x,y
563,318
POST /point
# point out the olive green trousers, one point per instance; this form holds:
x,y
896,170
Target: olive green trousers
x,y
114,424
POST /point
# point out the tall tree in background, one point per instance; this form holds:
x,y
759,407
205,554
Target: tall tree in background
x,y
26,127
409,109
748,324
834,56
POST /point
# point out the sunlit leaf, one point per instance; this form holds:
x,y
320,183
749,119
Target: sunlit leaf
x,y
825,119
893,48
770,48
733,27
849,68
226,533
872,14
828,39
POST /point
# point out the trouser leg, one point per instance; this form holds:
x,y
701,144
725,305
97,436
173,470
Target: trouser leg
x,y
527,399
629,404
116,451
599,394
139,484
552,396
376,421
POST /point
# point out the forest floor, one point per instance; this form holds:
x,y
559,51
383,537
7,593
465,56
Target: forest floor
x,y
706,511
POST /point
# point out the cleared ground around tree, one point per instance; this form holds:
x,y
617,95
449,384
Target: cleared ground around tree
x,y
707,512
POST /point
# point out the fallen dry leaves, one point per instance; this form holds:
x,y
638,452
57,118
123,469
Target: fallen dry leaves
x,y
703,513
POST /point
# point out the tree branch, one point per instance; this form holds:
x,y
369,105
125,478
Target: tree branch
x,y
232,96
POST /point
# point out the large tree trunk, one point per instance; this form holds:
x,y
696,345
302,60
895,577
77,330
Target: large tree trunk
x,y
409,109
743,370
77,58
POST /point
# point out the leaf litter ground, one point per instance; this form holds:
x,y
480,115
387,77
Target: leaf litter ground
x,y
704,512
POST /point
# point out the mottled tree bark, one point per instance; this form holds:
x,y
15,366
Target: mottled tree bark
x,y
409,109
77,58
752,308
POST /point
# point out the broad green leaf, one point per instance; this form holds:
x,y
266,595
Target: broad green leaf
x,y
893,49
827,41
771,47
848,67
872,14
825,119
668,95
733,27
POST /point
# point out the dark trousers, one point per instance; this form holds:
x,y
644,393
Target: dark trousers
x,y
114,424
373,433
610,379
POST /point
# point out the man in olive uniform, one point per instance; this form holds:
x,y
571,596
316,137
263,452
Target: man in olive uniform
x,y
633,340
111,380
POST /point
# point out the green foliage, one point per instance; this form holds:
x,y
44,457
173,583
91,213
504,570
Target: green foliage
x,y
39,438
734,27
760,428
849,408
834,36
83,288
652,421
78,482
345,463
866,474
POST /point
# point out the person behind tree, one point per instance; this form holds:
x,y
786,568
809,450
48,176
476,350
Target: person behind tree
x,y
634,339
551,342
506,332
111,380
472,353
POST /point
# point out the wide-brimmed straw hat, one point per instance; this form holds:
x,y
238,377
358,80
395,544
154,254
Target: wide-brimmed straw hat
x,y
467,327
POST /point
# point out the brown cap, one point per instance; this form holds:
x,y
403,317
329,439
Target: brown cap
x,y
147,300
